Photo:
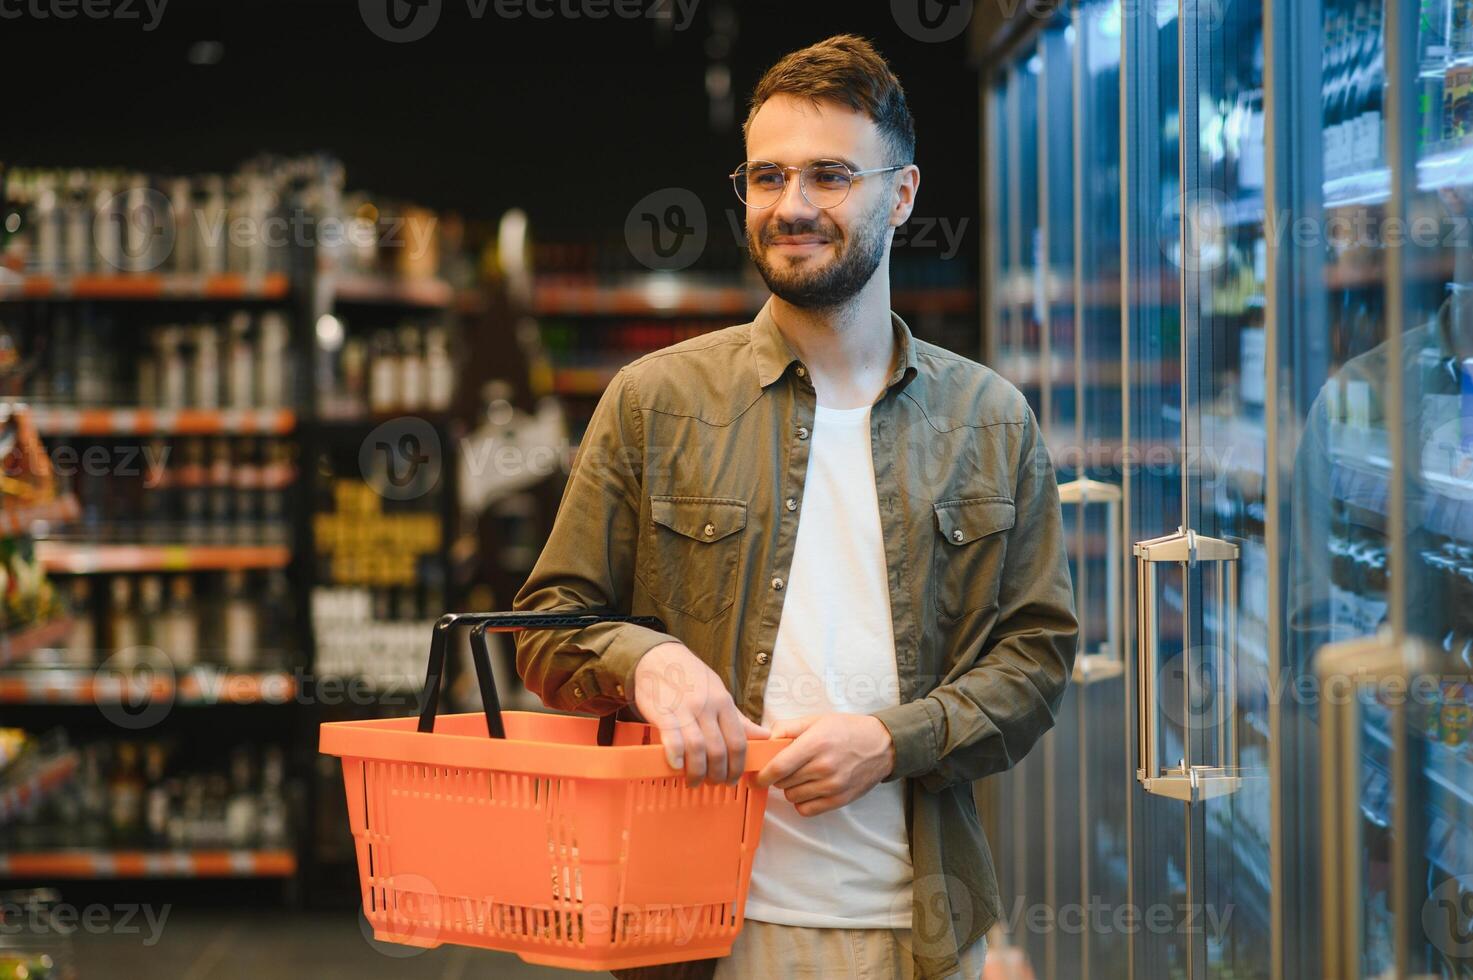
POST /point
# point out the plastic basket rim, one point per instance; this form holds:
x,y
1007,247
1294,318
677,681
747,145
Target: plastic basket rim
x,y
397,740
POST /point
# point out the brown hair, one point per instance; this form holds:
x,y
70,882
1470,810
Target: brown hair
x,y
845,69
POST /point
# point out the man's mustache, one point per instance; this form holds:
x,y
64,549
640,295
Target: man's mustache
x,y
779,228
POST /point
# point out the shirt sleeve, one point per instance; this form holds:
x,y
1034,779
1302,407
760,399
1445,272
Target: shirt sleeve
x,y
985,718
588,563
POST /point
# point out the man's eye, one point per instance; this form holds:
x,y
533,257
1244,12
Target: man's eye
x,y
766,178
830,179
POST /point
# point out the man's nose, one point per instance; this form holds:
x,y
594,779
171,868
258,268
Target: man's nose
x,y
792,206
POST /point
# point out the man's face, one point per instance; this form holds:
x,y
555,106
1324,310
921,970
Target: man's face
x,y
821,257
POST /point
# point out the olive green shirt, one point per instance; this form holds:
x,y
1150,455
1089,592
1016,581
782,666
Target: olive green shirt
x,y
683,503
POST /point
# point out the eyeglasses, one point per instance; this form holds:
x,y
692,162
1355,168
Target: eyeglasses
x,y
823,183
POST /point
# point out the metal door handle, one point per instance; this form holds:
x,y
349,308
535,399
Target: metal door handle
x,y
1365,663
1107,660
1187,781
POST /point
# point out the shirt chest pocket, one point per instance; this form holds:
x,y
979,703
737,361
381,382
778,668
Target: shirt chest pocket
x,y
970,548
694,546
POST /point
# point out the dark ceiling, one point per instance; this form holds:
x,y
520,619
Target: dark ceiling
x,y
572,118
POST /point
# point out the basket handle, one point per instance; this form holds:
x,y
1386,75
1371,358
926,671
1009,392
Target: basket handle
x,y
506,622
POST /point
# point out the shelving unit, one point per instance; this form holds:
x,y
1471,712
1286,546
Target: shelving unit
x,y
89,559
123,421
47,776
103,863
194,686
144,286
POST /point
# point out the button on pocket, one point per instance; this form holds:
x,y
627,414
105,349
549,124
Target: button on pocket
x,y
970,552
694,550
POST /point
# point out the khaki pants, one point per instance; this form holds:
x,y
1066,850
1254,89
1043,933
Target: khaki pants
x,y
763,951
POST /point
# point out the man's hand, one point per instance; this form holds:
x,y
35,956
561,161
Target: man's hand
x,y
699,724
833,761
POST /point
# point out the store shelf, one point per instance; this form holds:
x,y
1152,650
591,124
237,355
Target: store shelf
x,y
1027,370
145,286
84,559
667,295
1449,168
1362,465
1367,274
105,863
383,291
196,686
583,382
652,295
23,641
54,772
1448,771
124,421
20,518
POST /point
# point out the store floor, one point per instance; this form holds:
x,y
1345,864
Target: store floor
x,y
221,945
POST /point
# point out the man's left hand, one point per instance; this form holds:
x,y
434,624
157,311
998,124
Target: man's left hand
x,y
833,761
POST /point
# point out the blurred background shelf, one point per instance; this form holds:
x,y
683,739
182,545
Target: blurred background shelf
x,y
22,641
86,559
143,286
19,794
189,686
102,863
124,421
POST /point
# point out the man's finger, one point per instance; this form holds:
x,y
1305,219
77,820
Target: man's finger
x,y
805,774
793,727
736,743
695,752
714,740
752,729
674,747
788,761
813,789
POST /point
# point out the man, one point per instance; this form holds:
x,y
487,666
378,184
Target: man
x,y
850,534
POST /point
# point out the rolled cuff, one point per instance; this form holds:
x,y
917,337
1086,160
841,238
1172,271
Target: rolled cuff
x,y
915,730
609,675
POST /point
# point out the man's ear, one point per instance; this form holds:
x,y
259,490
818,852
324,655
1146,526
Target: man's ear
x,y
906,189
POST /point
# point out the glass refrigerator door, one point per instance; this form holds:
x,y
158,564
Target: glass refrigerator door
x,y
1021,271
1226,672
1433,135
1160,826
1057,754
1092,494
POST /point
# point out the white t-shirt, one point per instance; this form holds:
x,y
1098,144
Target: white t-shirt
x,y
835,651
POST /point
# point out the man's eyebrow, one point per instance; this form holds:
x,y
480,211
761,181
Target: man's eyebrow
x,y
824,159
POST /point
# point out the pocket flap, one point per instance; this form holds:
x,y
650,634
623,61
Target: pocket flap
x,y
700,518
964,521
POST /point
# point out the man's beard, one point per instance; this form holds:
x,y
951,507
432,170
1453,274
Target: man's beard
x,y
837,282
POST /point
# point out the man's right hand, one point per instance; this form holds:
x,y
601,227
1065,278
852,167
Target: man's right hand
x,y
699,724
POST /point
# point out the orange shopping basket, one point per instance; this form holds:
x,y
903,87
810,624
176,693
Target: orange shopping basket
x,y
566,840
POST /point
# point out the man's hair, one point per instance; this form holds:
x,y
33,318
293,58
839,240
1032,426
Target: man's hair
x,y
847,70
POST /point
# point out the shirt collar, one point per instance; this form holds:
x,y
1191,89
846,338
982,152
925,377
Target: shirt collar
x,y
774,356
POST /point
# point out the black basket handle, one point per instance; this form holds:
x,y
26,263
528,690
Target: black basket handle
x,y
506,622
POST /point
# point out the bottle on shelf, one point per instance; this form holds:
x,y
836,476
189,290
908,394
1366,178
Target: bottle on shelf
x,y
241,633
125,627
179,625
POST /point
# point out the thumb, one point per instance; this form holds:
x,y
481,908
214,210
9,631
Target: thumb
x,y
793,727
